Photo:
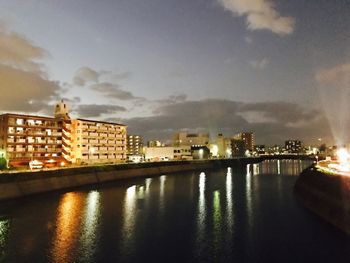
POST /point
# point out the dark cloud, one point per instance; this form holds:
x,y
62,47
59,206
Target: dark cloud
x,y
94,110
280,120
24,83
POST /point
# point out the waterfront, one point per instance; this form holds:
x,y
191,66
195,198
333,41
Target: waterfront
x,y
232,214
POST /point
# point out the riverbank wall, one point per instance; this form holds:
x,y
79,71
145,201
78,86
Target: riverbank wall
x,y
21,184
327,195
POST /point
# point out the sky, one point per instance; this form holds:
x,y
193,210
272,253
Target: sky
x,y
278,68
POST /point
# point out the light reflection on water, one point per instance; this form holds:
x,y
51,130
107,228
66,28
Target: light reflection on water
x,y
220,217
4,233
129,218
90,224
229,202
68,222
201,213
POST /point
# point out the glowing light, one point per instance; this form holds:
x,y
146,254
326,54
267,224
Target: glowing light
x,y
215,150
343,155
63,163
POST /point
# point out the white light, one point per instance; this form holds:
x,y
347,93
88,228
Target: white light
x,y
343,155
215,150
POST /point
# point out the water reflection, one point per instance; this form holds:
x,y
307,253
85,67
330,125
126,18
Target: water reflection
x,y
201,213
216,222
148,182
278,166
229,207
91,218
68,227
4,233
248,193
162,180
129,214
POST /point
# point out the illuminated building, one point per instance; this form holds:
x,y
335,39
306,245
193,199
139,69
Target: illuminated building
x,y
247,138
167,153
260,149
60,140
191,139
134,145
238,148
155,143
293,146
96,142
222,147
24,138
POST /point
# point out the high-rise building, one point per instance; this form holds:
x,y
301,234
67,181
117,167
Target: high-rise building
x,y
248,138
293,146
191,139
134,144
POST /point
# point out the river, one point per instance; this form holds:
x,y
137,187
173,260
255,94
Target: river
x,y
247,214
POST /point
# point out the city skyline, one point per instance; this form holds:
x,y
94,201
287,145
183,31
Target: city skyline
x,y
276,68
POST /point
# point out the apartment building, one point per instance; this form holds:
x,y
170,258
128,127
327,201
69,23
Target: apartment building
x,y
24,138
97,142
248,138
60,140
134,145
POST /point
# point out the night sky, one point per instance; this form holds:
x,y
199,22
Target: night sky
x,y
275,67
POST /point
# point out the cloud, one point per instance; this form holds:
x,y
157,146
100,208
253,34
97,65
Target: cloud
x,y
24,83
260,15
273,122
335,76
248,40
259,64
104,82
84,75
94,110
113,91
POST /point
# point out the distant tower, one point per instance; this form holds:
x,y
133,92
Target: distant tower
x,y
61,111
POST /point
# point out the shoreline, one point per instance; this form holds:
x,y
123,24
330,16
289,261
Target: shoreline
x,y
21,184
327,195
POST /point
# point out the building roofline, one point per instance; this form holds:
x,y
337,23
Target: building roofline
x,y
106,122
26,115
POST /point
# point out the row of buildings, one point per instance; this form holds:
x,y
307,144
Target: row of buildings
x,y
61,140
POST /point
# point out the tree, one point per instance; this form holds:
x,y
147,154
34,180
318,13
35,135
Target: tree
x,y
3,163
322,147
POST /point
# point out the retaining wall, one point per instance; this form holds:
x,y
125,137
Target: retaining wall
x,y
16,185
326,195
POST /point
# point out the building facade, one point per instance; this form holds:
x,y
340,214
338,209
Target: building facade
x,y
293,146
95,142
24,138
60,140
134,145
248,138
191,139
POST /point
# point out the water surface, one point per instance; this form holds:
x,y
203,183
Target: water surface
x,y
230,215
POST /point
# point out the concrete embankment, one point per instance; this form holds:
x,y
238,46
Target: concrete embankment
x,y
16,185
326,195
